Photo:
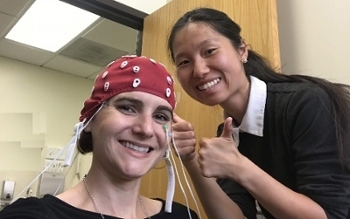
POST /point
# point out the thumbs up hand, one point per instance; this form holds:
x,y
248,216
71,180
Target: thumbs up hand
x,y
185,138
219,157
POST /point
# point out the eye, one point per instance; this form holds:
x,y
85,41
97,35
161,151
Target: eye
x,y
210,51
161,118
125,109
184,62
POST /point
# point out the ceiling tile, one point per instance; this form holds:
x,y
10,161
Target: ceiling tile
x,y
14,7
24,53
75,67
92,52
113,34
94,75
118,38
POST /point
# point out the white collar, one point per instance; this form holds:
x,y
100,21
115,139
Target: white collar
x,y
253,120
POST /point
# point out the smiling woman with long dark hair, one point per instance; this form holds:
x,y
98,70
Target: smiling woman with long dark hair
x,y
285,139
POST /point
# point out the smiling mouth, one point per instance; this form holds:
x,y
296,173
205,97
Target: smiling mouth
x,y
143,150
209,85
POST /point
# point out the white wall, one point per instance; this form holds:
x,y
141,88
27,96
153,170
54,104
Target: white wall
x,y
314,38
26,89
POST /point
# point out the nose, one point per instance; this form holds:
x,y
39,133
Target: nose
x,y
200,68
144,126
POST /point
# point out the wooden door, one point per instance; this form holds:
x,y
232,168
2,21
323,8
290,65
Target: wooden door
x,y
258,20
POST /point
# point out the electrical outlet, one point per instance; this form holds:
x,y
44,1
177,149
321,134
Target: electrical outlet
x,y
55,167
53,152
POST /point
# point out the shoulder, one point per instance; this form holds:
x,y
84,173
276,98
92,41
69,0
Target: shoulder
x,y
24,207
178,211
47,207
298,107
298,94
294,87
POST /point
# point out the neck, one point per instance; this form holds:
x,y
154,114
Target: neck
x,y
236,105
110,198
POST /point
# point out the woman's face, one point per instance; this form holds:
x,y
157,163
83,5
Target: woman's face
x,y
128,134
208,67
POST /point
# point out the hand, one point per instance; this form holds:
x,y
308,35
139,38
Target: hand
x,y
185,138
219,157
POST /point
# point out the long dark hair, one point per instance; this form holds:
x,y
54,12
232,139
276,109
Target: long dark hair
x,y
259,67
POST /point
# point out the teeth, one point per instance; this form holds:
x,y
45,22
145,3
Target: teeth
x,y
135,148
209,84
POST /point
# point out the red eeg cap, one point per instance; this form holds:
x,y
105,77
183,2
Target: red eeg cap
x,y
126,74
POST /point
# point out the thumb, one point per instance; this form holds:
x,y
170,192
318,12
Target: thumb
x,y
227,130
177,118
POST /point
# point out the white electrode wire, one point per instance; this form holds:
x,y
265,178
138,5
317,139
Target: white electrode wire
x,y
184,174
65,174
178,176
78,128
41,173
180,184
74,139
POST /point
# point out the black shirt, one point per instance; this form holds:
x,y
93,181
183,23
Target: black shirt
x,y
298,148
50,207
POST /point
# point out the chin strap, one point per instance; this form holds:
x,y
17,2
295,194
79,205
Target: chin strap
x,y
171,176
171,182
78,128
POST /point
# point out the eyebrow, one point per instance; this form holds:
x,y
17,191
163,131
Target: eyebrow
x,y
140,103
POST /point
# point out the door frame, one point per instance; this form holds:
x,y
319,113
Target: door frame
x,y
112,10
116,12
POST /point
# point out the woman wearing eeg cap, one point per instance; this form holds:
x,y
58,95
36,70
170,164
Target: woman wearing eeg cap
x,y
124,124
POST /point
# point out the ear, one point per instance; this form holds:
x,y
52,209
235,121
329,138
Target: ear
x,y
243,51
